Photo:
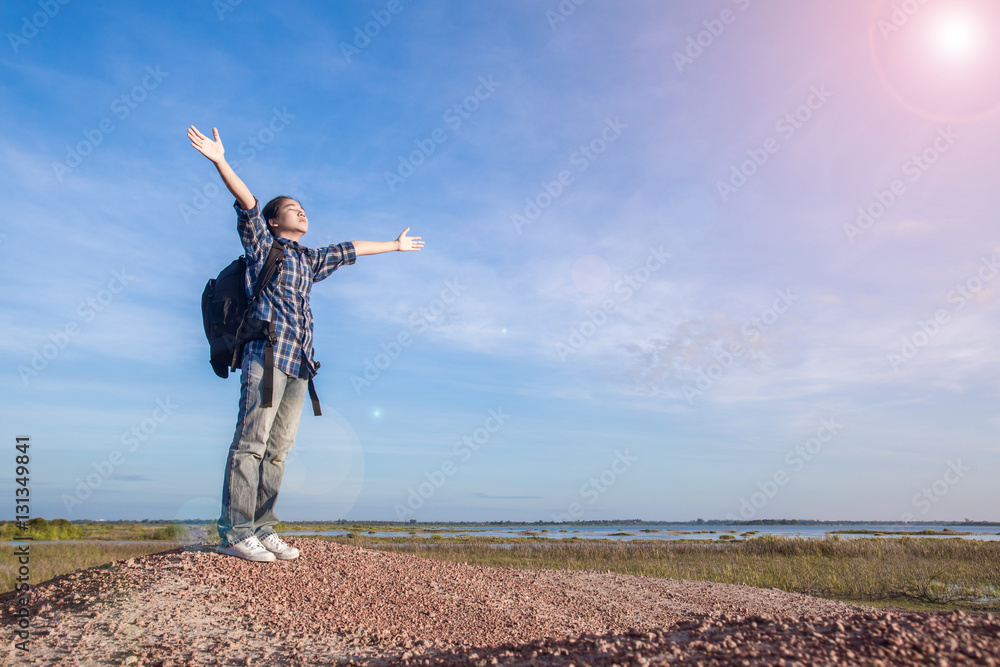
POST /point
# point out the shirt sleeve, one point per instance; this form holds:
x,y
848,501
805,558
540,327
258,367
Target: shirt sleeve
x,y
253,233
329,258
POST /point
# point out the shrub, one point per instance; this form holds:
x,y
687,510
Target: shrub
x,y
38,524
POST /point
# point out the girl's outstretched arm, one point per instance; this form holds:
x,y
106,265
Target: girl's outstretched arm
x,y
404,242
214,151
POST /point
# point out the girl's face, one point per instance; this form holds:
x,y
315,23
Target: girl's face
x,y
290,220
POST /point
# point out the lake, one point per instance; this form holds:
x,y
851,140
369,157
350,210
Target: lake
x,y
667,531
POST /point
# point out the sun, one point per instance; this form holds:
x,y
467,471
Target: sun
x,y
939,58
956,36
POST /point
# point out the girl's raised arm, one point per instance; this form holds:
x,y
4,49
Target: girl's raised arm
x,y
214,151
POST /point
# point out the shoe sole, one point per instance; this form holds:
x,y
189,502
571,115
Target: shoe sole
x,y
283,557
259,559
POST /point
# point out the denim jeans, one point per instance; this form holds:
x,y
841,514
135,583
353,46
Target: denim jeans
x,y
256,460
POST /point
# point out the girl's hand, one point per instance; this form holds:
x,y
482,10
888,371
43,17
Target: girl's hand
x,y
213,150
409,242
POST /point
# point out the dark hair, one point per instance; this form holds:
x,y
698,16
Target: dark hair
x,y
270,210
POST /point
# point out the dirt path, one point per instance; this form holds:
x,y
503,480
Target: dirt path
x,y
343,604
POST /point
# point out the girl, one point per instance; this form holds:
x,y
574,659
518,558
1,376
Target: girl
x,y
265,433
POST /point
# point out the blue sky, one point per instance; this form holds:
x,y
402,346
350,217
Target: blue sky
x,y
687,259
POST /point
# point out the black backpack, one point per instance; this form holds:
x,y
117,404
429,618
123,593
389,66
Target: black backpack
x,y
224,308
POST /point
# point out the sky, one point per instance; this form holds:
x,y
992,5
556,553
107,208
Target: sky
x,y
696,259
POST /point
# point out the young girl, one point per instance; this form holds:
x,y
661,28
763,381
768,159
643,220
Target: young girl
x,y
264,435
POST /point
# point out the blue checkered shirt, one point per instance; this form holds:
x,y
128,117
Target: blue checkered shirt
x,y
287,301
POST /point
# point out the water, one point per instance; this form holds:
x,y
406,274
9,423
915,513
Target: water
x,y
655,532
667,532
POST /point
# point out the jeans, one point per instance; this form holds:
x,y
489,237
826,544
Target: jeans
x,y
256,460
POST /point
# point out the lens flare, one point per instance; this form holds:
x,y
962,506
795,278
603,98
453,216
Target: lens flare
x,y
957,37
939,58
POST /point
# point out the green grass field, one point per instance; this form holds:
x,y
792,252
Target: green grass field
x,y
906,572
50,560
900,572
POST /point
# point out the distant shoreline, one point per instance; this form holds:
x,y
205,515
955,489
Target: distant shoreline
x,y
39,529
596,522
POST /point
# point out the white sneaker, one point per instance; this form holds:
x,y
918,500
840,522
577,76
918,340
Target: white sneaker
x,y
276,546
249,548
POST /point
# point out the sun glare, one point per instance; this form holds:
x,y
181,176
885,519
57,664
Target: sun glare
x,y
939,58
957,36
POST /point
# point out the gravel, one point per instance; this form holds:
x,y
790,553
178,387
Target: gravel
x,y
340,604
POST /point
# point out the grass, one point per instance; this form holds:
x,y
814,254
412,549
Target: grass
x,y
61,529
927,531
898,572
93,544
912,573
50,560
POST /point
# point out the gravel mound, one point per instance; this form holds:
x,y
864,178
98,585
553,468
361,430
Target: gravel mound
x,y
341,604
855,639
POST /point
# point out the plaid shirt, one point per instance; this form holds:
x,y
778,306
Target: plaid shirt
x,y
287,302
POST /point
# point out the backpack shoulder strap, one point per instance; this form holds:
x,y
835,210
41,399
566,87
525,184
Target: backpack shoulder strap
x,y
271,266
315,398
